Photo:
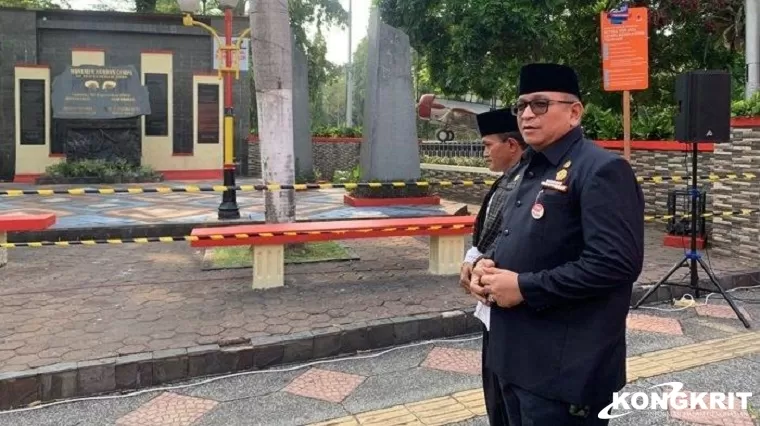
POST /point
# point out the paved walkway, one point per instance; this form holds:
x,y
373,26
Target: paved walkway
x,y
81,303
87,303
437,383
91,210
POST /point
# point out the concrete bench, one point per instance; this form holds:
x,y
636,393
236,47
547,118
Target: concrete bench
x,y
447,237
16,222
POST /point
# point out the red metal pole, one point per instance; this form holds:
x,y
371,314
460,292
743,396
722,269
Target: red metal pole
x,y
228,55
228,209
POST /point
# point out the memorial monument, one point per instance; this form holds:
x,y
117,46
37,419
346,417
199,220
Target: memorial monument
x,y
169,117
389,150
97,111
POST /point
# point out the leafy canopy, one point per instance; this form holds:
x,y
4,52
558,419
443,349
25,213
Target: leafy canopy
x,y
477,46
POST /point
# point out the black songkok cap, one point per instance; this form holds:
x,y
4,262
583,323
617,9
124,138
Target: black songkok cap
x,y
548,78
497,121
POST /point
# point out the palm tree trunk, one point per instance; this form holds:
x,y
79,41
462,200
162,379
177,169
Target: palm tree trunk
x,y
273,73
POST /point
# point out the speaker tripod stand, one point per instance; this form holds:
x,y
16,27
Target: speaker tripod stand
x,y
693,257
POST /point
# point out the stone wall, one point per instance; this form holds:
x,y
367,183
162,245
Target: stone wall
x,y
660,159
472,194
648,164
738,236
330,154
48,37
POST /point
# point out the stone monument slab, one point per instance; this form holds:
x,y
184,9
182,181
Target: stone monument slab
x,y
389,150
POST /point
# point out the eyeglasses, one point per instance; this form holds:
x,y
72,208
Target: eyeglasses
x,y
538,106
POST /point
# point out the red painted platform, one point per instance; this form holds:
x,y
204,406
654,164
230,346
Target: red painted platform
x,y
682,241
25,222
387,202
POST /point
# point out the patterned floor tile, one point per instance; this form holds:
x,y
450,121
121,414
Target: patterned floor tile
x,y
168,409
654,324
720,311
457,360
150,208
152,213
717,416
25,210
331,386
54,200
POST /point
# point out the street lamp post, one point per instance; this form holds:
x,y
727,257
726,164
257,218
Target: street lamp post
x,y
228,209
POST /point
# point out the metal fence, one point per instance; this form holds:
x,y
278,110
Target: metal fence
x,y
452,149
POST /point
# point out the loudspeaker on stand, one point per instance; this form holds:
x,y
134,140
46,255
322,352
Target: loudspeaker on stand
x,y
703,100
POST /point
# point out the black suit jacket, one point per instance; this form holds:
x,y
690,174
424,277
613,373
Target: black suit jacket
x,y
578,254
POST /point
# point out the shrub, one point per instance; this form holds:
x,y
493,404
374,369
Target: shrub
x,y
746,108
385,191
337,132
101,171
454,161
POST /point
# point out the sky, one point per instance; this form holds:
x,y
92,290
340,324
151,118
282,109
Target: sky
x,y
337,39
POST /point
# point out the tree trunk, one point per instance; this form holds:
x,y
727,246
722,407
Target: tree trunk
x,y
273,75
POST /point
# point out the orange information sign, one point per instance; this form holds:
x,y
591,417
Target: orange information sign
x,y
625,49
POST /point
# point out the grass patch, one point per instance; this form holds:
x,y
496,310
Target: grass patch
x,y
240,257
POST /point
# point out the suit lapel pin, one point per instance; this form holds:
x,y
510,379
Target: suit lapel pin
x,y
537,211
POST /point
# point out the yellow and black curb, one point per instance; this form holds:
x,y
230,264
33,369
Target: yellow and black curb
x,y
711,177
223,188
317,186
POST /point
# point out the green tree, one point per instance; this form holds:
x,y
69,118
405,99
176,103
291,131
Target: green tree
x,y
683,35
318,14
478,46
474,46
333,104
145,6
359,79
36,4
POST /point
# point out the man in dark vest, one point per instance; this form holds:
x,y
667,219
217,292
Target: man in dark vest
x,y
560,276
503,148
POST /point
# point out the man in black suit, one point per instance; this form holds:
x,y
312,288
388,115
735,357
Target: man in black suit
x,y
560,276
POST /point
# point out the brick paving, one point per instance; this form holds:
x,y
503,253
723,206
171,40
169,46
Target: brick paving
x,y
654,324
84,303
399,388
331,386
456,360
721,311
168,409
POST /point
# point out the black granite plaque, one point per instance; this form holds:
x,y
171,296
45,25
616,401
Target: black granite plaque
x,y
208,113
94,92
157,123
32,110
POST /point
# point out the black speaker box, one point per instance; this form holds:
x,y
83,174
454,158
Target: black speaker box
x,y
704,106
